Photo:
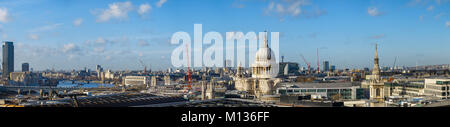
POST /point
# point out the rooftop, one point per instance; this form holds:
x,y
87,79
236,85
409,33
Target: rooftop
x,y
222,102
318,85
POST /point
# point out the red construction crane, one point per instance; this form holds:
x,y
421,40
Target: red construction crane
x,y
318,64
307,63
189,68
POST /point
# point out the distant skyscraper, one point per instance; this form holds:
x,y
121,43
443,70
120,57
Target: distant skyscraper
x,y
99,68
8,58
366,69
25,67
333,68
326,66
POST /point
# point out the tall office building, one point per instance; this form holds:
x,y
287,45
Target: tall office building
x,y
326,66
99,68
25,67
333,68
8,58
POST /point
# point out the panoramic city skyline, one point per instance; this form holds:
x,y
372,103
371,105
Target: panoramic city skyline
x,y
75,34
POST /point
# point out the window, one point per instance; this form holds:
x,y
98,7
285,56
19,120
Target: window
x,y
282,91
321,90
311,90
378,92
333,90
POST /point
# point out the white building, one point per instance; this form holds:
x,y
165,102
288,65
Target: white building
x,y
438,88
345,91
137,81
109,75
167,80
154,81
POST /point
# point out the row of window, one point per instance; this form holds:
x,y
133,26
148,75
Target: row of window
x,y
442,82
316,90
437,93
344,93
438,87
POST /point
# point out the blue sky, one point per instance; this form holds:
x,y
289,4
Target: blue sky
x,y
73,34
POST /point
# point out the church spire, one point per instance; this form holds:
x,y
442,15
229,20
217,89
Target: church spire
x,y
239,70
266,43
376,51
376,66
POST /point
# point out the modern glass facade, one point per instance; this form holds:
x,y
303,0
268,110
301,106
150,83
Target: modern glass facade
x,y
8,58
326,66
345,93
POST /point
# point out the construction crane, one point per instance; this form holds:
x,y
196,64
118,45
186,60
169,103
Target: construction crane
x,y
391,79
307,63
189,70
395,61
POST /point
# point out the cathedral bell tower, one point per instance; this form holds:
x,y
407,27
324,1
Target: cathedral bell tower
x,y
376,85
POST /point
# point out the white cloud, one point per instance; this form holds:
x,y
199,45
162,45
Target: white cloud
x,y
143,43
4,35
295,9
430,8
78,22
46,28
144,9
280,8
71,47
100,40
99,49
292,8
440,2
71,57
107,57
373,11
4,15
271,5
160,3
238,5
378,36
426,2
438,16
118,10
447,24
34,37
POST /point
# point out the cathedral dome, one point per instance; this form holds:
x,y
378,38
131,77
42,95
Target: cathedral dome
x,y
264,58
265,65
264,54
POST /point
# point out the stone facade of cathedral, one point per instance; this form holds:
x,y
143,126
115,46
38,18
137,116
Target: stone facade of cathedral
x,y
264,72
